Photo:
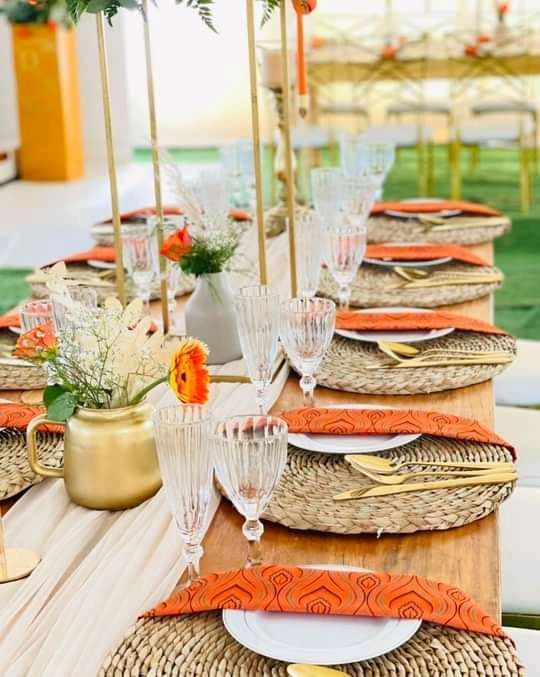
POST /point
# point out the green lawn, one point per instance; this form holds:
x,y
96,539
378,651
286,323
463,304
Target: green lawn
x,y
495,182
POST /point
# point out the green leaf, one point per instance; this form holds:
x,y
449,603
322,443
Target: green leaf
x,y
76,8
51,393
62,407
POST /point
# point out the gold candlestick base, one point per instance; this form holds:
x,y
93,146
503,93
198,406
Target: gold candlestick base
x,y
19,563
275,219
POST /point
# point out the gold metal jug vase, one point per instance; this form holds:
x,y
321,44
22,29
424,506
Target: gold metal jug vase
x,y
110,460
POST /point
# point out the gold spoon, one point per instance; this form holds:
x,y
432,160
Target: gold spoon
x,y
390,465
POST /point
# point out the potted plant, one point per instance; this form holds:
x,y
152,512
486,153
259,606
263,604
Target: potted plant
x,y
100,368
45,57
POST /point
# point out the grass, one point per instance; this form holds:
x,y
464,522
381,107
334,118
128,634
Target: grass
x,y
517,304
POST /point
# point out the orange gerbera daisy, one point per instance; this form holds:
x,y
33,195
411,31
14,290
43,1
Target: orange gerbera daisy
x,y
37,344
188,373
177,245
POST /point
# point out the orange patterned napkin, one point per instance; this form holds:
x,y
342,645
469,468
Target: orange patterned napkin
x,y
235,214
10,320
410,321
18,416
423,252
324,421
94,254
471,208
293,589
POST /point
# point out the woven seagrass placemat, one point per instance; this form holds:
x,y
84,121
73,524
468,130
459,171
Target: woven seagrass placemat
x,y
16,374
385,229
303,498
381,286
15,472
345,366
198,644
103,281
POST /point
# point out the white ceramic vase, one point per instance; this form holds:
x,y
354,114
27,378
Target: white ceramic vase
x,y
211,317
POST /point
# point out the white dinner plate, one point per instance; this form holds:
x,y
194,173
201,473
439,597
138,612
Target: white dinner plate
x,y
350,444
318,639
16,330
392,263
103,265
414,215
413,336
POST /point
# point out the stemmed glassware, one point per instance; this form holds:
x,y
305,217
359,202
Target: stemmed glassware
x,y
326,190
237,160
250,454
257,309
35,313
307,327
141,259
186,464
365,156
210,189
309,251
76,294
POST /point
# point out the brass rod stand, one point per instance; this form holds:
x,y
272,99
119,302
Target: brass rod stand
x,y
289,183
256,132
155,163
113,181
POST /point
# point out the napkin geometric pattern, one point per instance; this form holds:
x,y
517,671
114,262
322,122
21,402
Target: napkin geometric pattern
x,y
423,252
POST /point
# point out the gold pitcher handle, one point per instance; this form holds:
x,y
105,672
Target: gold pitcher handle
x,y
31,445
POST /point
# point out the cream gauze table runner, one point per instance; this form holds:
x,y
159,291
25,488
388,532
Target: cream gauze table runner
x,y
99,570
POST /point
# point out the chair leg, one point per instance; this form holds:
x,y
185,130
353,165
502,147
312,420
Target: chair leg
x,y
454,149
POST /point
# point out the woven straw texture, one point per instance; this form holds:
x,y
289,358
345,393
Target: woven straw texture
x,y
344,367
376,286
106,283
385,229
304,497
185,646
15,472
16,374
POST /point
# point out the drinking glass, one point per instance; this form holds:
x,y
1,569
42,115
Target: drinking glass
x,y
326,190
141,259
185,460
309,250
210,189
78,295
34,313
307,327
354,156
250,454
171,224
346,249
257,310
359,194
237,161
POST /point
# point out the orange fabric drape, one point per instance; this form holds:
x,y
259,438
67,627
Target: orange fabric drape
x,y
321,421
280,588
472,208
423,252
410,321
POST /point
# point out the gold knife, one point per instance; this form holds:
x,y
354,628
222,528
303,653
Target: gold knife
x,y
300,670
445,362
387,490
443,281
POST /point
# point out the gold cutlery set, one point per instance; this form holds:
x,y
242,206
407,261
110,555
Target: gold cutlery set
x,y
299,670
406,356
445,475
417,278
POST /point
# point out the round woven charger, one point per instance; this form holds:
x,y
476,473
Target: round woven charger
x,y
16,374
376,286
385,229
198,644
39,290
303,498
15,472
344,366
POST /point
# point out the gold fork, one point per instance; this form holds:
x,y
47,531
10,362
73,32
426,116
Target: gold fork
x,y
388,466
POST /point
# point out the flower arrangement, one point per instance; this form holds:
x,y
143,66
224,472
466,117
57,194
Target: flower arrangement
x,y
51,12
77,8
502,10
106,359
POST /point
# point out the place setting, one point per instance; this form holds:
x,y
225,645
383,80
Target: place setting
x,y
435,220
414,274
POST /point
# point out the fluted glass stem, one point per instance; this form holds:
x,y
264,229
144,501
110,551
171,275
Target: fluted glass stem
x,y
308,383
344,296
253,531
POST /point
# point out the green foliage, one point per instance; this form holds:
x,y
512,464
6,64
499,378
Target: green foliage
x,y
60,403
207,256
22,12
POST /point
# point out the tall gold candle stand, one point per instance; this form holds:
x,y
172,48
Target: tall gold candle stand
x,y
113,182
156,167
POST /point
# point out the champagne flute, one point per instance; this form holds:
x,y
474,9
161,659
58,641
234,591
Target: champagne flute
x,y
257,309
185,461
326,190
346,250
250,455
141,259
307,327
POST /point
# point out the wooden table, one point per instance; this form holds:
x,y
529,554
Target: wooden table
x,y
467,557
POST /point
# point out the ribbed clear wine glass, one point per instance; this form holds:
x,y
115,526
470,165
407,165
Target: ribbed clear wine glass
x,y
346,249
140,251
186,463
307,327
309,251
250,454
34,313
326,190
257,310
